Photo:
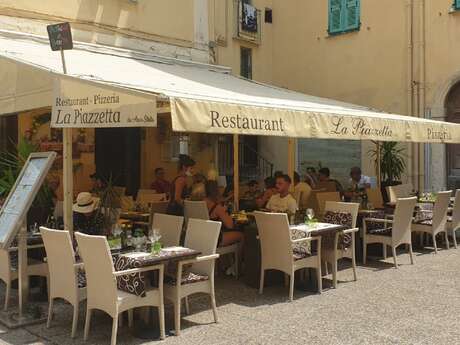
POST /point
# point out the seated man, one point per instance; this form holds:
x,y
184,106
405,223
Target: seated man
x,y
161,185
324,176
283,201
86,219
270,189
358,180
302,191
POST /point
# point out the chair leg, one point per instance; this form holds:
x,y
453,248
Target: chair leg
x,y
87,323
394,256
447,240
213,302
187,306
177,308
262,277
291,286
364,253
454,236
384,249
115,329
130,318
319,277
7,295
434,244
237,264
161,318
74,319
334,274
50,313
421,239
411,253
326,270
353,263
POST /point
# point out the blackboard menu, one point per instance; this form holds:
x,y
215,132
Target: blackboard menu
x,y
60,36
18,202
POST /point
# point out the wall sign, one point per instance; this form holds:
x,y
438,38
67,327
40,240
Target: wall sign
x,y
18,202
82,104
60,36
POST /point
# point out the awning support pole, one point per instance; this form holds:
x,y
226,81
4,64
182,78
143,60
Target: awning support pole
x,y
236,172
67,168
377,167
291,159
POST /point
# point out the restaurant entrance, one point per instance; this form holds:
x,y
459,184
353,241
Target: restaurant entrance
x,y
453,150
118,156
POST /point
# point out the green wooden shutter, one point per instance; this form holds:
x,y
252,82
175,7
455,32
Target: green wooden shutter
x,y
457,4
351,13
335,16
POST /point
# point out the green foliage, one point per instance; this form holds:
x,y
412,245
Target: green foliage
x,y
392,163
11,164
109,203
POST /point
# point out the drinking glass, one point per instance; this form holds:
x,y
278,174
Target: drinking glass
x,y
310,214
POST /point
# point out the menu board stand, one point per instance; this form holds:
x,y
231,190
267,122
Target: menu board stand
x,y
13,225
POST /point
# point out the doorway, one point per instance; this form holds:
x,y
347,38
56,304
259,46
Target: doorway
x,y
118,154
453,150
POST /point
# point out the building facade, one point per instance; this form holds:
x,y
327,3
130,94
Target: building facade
x,y
399,57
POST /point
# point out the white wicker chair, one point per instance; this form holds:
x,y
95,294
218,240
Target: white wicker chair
x,y
199,210
394,232
63,272
332,256
202,235
277,249
170,228
102,289
438,223
453,224
399,191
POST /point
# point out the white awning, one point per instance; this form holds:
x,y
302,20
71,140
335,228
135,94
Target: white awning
x,y
207,98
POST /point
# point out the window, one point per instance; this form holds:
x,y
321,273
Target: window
x,y
246,63
344,16
269,15
457,4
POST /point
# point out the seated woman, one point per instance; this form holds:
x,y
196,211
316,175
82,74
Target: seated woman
x,y
217,212
86,219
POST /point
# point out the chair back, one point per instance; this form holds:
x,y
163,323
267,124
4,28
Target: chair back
x,y
203,235
402,220
399,191
328,186
101,284
146,199
5,265
440,208
326,196
127,203
157,207
61,260
347,207
275,241
170,228
374,196
456,211
196,210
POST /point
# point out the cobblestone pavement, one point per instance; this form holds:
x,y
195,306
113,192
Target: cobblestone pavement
x,y
411,305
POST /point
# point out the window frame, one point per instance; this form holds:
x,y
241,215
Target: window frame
x,y
343,15
249,67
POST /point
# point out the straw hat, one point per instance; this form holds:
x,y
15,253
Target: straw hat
x,y
85,203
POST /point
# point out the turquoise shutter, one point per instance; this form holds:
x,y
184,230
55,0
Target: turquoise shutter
x,y
352,15
335,16
457,4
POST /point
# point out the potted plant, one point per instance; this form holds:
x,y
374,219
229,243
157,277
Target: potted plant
x,y
392,163
109,204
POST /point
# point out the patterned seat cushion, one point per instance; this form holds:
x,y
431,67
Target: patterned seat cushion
x,y
381,232
339,218
428,222
300,253
187,278
133,283
81,279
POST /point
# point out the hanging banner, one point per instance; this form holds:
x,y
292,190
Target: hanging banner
x,y
190,115
83,104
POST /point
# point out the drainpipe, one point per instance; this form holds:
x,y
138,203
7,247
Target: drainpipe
x,y
410,72
422,92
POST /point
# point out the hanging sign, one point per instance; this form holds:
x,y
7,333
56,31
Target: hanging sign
x,y
60,36
83,104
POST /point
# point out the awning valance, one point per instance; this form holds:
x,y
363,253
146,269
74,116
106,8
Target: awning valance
x,y
207,98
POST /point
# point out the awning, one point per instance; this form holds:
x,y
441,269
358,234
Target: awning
x,y
207,98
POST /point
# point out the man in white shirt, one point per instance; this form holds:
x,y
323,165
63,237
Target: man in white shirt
x,y
302,191
358,179
283,201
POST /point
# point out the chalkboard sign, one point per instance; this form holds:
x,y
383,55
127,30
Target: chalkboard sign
x,y
26,187
60,36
